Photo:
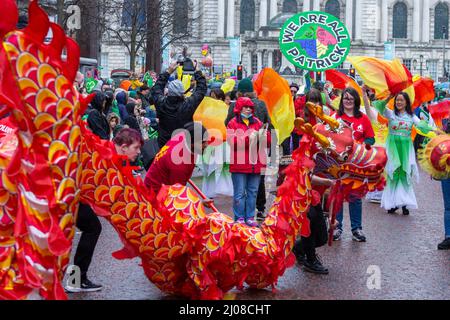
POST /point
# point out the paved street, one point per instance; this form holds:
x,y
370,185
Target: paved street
x,y
403,247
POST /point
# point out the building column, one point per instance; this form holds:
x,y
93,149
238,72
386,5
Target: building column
x,y
259,54
221,19
316,5
426,21
273,8
270,59
249,64
263,13
349,17
384,20
358,23
416,21
306,5
230,19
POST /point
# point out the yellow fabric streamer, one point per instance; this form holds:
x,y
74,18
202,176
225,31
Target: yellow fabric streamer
x,y
212,114
228,85
185,79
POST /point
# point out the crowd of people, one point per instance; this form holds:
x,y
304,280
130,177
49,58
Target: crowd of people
x,y
147,124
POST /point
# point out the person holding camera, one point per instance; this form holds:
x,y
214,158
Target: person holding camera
x,y
175,110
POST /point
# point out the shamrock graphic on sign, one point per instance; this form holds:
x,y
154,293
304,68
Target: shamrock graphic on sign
x,y
315,41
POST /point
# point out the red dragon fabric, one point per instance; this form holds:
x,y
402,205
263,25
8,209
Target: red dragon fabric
x,y
57,161
38,192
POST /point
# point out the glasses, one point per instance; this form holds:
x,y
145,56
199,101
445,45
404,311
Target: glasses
x,y
349,99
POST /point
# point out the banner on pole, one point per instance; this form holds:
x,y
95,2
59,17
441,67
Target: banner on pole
x,y
389,50
235,51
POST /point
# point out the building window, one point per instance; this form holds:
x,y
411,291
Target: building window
x,y
400,21
441,21
290,6
432,69
276,63
407,63
247,15
254,63
447,69
180,17
265,59
333,7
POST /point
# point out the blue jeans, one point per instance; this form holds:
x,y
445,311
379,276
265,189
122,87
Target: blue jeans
x,y
446,194
245,190
355,208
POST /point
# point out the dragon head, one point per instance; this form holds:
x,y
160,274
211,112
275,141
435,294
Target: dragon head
x,y
339,157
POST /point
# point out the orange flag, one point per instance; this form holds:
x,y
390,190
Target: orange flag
x,y
274,91
341,81
423,89
384,76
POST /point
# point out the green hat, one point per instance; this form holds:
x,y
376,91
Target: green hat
x,y
245,85
132,94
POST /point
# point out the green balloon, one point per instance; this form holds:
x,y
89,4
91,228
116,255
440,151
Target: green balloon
x,y
90,84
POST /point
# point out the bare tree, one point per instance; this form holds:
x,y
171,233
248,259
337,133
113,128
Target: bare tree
x,y
168,22
126,22
137,25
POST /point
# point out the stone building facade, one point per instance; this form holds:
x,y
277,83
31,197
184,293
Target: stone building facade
x,y
416,27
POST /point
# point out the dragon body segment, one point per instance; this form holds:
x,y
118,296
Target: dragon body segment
x,y
38,192
183,249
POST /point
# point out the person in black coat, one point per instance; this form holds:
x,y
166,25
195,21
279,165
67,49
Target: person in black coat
x,y
96,119
87,221
131,120
174,110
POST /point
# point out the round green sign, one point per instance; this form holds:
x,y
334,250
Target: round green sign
x,y
315,41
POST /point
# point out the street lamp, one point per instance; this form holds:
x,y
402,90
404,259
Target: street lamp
x,y
420,63
444,31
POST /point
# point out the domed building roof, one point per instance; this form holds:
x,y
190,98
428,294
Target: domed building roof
x,y
279,20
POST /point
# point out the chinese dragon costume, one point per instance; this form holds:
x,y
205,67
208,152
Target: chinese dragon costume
x,y
434,157
184,250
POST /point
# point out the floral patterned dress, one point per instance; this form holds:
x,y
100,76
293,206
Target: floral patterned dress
x,y
401,167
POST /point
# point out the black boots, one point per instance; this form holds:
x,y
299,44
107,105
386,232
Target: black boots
x,y
315,266
444,245
404,210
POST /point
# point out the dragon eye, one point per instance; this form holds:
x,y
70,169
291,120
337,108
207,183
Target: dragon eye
x,y
343,156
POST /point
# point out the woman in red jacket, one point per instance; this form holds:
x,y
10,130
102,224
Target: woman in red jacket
x,y
349,112
248,143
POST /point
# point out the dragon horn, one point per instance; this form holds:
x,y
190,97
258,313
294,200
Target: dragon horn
x,y
307,128
317,110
